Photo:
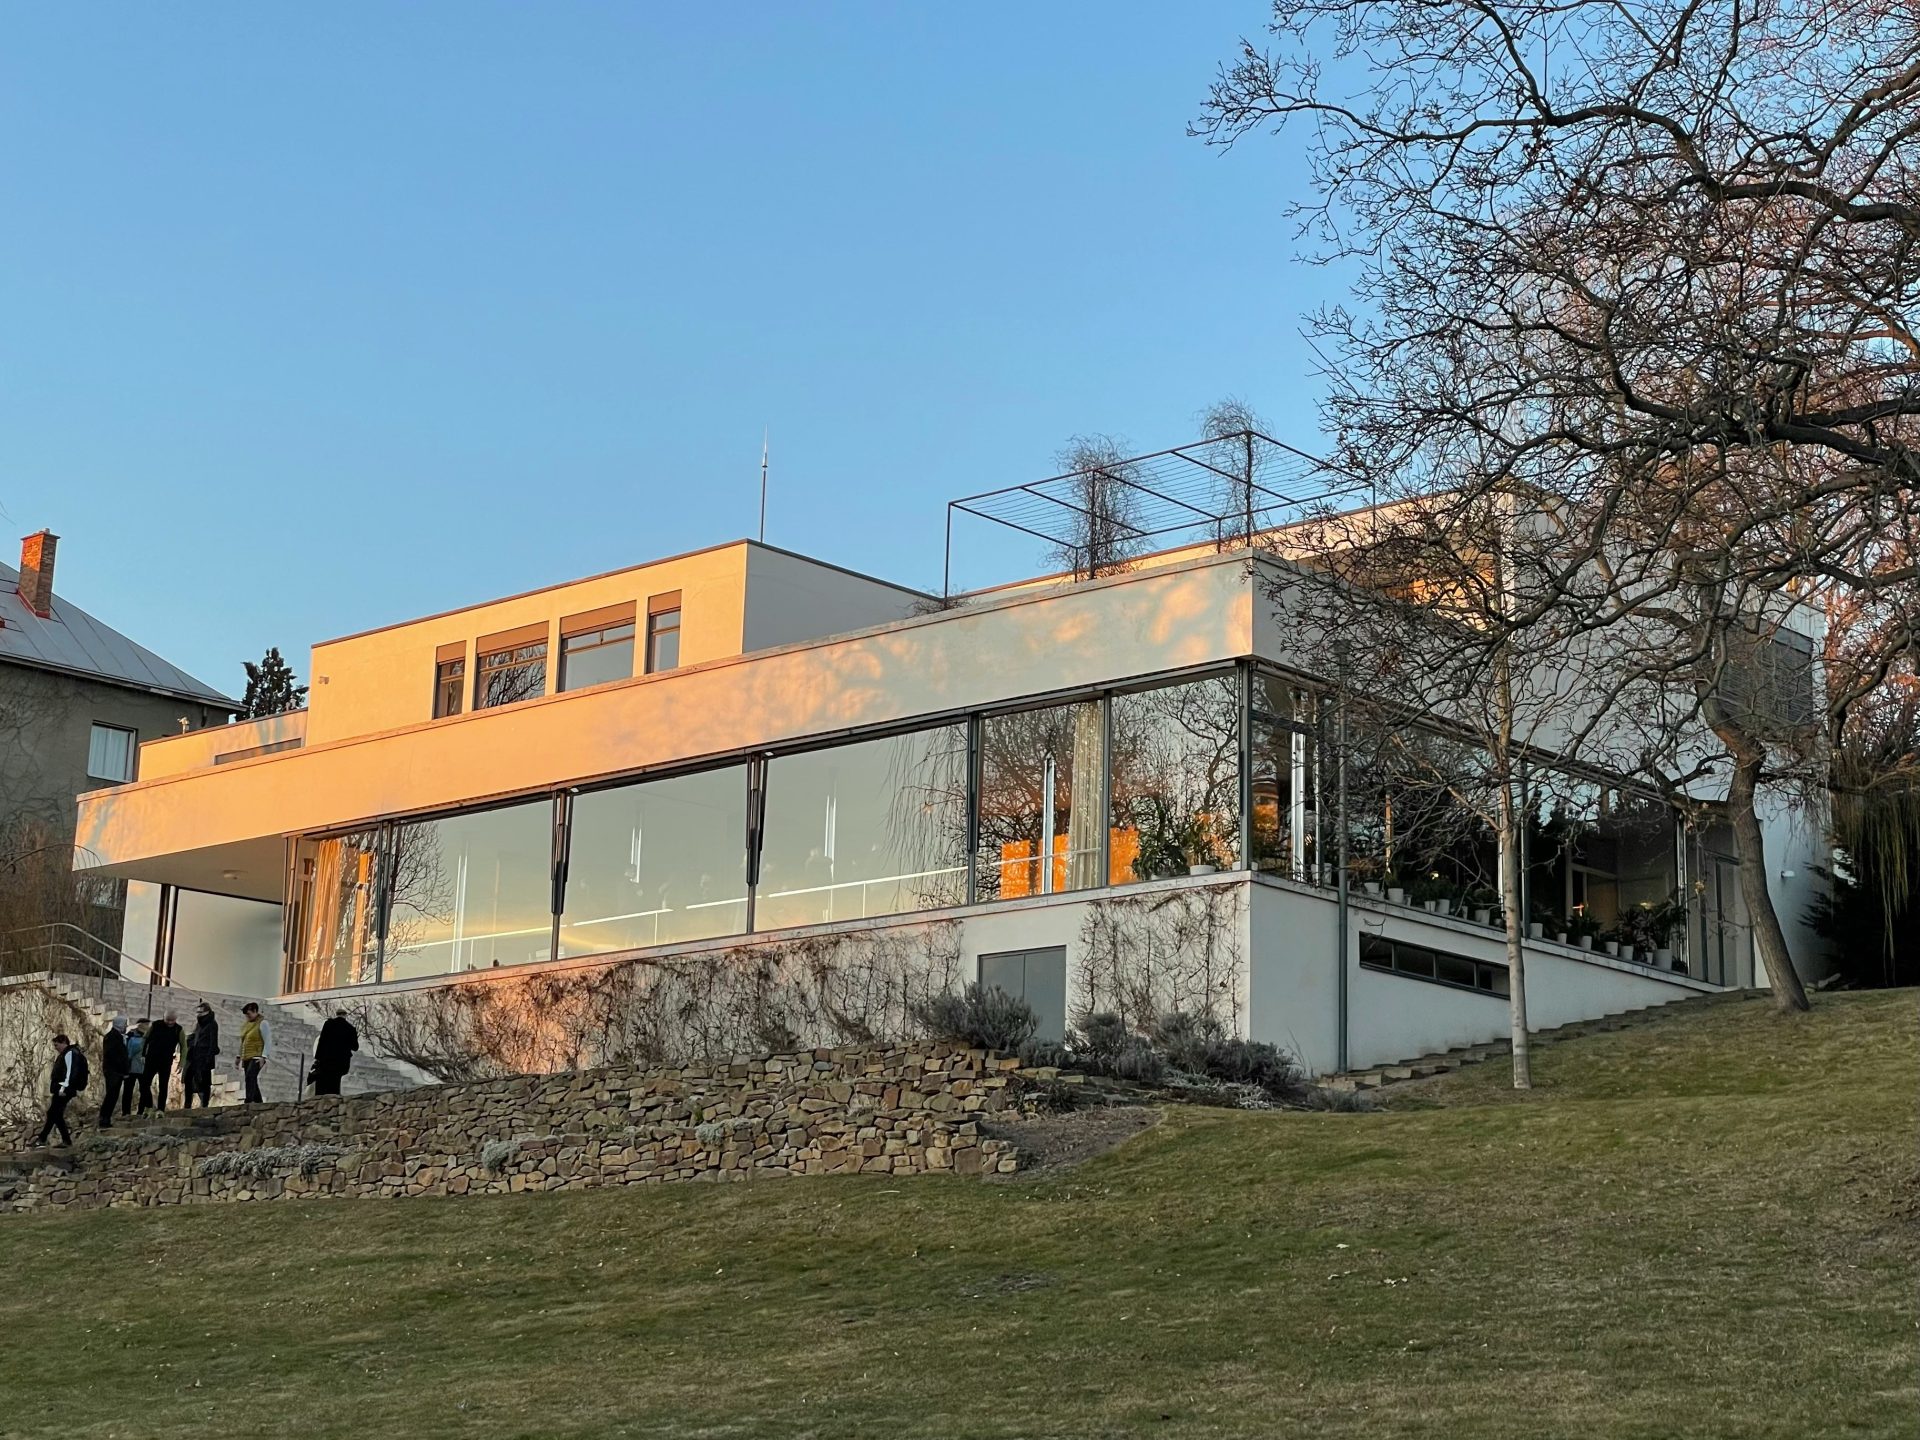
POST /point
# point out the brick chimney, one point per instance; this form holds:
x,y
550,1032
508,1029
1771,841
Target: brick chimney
x,y
36,572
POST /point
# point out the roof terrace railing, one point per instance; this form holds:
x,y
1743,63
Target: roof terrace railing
x,y
1218,491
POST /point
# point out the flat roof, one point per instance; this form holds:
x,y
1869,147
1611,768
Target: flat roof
x,y
624,570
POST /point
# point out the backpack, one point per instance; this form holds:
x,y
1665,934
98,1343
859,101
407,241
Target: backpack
x,y
79,1072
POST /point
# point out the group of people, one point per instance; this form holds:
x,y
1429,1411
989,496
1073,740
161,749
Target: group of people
x,y
137,1063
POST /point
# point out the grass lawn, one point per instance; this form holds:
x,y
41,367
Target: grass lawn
x,y
1707,1225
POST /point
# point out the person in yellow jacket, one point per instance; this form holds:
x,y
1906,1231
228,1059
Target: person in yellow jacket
x,y
255,1046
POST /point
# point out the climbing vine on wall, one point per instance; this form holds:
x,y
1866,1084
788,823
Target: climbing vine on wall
x,y
772,996
1141,956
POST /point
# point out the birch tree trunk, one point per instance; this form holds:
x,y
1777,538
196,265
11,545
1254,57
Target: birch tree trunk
x,y
1751,848
1516,932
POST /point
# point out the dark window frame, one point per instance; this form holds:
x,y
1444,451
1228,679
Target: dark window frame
x,y
520,657
658,627
1370,959
585,642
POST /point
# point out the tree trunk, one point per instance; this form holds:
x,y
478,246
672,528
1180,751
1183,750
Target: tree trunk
x,y
1516,933
1750,847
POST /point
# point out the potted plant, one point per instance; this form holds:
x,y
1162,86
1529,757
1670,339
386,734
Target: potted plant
x,y
1396,892
1198,847
1583,927
1650,925
1610,940
1161,854
1483,904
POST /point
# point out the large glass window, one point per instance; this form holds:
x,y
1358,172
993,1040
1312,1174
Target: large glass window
x,y
511,668
658,862
1041,775
1285,780
593,657
336,926
1596,852
875,828
469,892
1176,781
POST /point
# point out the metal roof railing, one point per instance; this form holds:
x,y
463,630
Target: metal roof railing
x,y
1218,490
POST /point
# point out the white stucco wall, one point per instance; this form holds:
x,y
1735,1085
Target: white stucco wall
x,y
1394,1017
791,599
227,946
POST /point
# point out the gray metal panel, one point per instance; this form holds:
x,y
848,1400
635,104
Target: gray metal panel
x,y
72,640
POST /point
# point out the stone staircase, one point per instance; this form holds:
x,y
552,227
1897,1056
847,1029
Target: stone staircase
x,y
291,1034
1425,1067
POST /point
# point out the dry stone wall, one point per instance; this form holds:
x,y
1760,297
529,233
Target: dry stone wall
x,y
895,1111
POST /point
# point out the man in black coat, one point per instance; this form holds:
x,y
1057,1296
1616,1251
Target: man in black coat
x,y
333,1054
113,1068
163,1044
69,1079
203,1050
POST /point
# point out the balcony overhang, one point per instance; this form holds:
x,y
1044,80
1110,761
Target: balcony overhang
x,y
235,816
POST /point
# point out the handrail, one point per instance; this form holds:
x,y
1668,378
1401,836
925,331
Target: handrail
x,y
101,970
120,956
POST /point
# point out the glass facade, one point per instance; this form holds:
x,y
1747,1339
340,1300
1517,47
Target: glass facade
x,y
468,892
1221,771
1175,781
1041,774
1283,756
875,828
658,862
336,915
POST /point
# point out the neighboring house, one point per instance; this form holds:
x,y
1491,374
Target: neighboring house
x,y
743,747
77,700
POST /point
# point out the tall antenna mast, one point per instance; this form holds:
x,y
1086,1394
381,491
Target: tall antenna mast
x,y
764,435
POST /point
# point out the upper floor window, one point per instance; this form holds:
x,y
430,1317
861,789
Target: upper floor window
x,y
596,647
511,666
449,680
110,751
663,632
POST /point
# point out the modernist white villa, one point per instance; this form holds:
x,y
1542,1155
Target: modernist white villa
x,y
740,745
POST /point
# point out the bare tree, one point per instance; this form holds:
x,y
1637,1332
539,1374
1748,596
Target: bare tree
x,y
1229,431
1655,259
1098,482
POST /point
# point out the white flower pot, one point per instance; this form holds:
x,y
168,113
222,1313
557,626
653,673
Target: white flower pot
x,y
1535,930
1203,869
1371,887
1612,946
1586,942
1396,894
1483,916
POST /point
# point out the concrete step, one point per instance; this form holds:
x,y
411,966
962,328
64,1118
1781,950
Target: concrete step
x,y
1426,1066
291,1037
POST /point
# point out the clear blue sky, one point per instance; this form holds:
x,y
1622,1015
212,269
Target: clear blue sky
x,y
318,317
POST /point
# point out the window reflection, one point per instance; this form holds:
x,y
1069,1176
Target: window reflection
x,y
335,926
594,657
876,828
1040,782
658,862
1176,781
511,674
469,892
1285,778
